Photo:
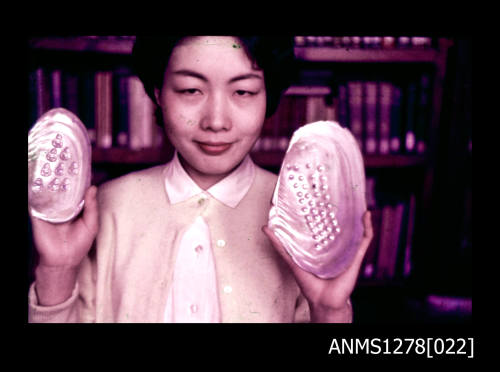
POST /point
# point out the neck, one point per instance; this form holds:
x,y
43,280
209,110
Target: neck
x,y
204,181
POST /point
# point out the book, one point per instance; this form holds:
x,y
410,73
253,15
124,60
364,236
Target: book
x,y
397,219
43,100
369,261
355,105
120,109
370,115
423,114
385,102
407,263
69,92
86,103
141,115
56,88
315,108
103,109
369,268
389,240
411,101
396,120
383,256
343,106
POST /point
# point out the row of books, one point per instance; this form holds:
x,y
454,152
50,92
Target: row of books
x,y
385,117
112,104
366,42
389,254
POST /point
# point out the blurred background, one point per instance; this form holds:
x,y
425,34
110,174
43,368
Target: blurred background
x,y
405,98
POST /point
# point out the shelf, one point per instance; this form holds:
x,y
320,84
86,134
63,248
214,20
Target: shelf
x,y
123,45
275,158
111,45
326,54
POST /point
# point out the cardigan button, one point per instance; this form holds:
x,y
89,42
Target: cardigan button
x,y
221,243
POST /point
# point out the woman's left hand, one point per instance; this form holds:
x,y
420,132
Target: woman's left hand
x,y
329,299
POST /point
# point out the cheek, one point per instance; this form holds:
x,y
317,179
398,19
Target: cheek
x,y
254,119
178,121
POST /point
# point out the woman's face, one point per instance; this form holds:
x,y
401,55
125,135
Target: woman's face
x,y
213,103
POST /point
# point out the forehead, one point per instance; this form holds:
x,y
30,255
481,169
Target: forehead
x,y
211,53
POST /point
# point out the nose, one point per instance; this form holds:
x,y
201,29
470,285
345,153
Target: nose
x,y
216,116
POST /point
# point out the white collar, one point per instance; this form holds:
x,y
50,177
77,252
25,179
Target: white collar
x,y
229,191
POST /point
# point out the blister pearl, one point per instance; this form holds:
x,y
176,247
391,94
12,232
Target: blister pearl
x,y
65,154
59,171
73,169
54,184
37,185
52,155
57,142
46,172
65,185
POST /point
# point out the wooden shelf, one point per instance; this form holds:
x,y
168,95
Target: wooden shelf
x,y
123,45
275,158
326,54
112,45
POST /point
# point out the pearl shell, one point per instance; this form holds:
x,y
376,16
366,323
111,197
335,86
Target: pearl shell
x,y
324,239
58,135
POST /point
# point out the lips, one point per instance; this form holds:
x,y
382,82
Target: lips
x,y
214,148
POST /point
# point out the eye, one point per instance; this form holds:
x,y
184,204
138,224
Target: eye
x,y
244,93
189,92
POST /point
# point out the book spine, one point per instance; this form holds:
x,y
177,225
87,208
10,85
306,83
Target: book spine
x,y
42,91
86,103
407,263
120,110
103,108
383,259
56,88
369,261
385,101
141,116
394,237
422,123
70,95
396,118
330,108
411,100
355,101
370,111
343,107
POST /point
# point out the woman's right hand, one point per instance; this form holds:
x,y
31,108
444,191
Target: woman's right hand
x,y
61,248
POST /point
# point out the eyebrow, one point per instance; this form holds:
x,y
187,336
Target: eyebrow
x,y
203,78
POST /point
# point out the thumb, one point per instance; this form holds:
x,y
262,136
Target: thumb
x,y
90,210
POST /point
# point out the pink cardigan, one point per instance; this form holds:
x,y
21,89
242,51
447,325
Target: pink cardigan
x,y
127,277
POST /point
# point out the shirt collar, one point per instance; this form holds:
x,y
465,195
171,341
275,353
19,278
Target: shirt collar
x,y
229,191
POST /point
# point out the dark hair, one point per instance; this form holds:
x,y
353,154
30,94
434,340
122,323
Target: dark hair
x,y
274,55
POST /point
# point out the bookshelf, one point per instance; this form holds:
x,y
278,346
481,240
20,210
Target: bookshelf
x,y
400,181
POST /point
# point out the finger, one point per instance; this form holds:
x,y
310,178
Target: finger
x,y
365,242
90,210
